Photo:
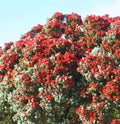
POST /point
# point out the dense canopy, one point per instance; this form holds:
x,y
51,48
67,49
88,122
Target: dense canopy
x,y
65,71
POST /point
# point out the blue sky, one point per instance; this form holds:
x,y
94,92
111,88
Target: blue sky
x,y
18,16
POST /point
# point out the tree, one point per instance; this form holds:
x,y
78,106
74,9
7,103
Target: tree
x,y
66,71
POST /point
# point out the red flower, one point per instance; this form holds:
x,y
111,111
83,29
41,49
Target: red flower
x,y
79,110
34,104
49,97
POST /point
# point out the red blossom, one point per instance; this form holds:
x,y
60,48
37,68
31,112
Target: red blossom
x,y
48,97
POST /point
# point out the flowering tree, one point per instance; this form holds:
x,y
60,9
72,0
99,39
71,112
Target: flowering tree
x,y
66,71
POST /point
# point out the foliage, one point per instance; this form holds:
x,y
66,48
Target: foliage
x,y
66,71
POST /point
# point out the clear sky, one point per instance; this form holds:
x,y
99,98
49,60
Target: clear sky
x,y
18,16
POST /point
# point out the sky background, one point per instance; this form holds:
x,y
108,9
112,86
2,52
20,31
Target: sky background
x,y
19,16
